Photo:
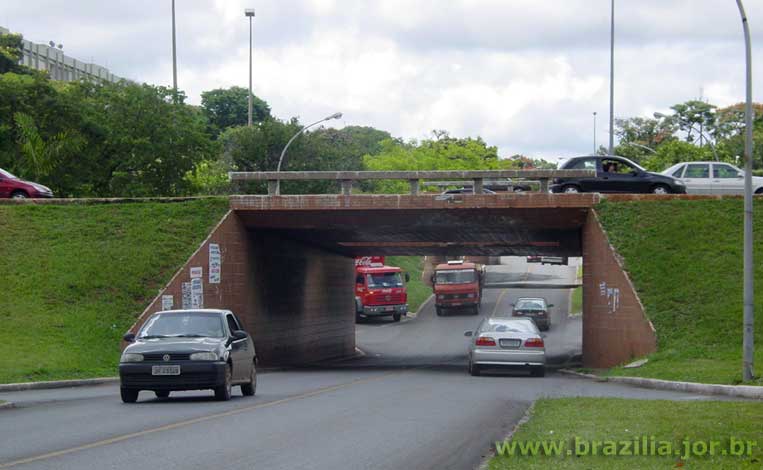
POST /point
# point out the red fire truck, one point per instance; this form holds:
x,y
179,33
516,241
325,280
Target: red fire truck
x,y
379,289
457,284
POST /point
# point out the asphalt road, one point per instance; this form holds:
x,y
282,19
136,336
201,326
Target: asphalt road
x,y
409,403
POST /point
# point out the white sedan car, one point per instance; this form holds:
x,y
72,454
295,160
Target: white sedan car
x,y
507,342
712,178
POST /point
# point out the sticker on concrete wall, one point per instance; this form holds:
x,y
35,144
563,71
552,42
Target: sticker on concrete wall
x,y
168,302
197,293
612,294
186,288
215,263
197,273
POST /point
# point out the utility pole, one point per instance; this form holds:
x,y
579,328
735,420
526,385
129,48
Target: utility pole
x,y
249,13
612,82
174,55
748,346
594,133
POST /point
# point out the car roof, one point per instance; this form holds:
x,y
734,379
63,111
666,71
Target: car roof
x,y
196,310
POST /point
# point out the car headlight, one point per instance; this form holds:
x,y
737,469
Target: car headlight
x,y
204,356
130,357
680,183
41,188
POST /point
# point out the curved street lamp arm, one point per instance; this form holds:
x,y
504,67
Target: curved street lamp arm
x,y
283,152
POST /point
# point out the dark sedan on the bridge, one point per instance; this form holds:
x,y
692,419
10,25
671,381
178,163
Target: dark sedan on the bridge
x,y
188,350
614,175
507,342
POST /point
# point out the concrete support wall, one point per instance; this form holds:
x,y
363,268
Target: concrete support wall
x,y
297,302
615,327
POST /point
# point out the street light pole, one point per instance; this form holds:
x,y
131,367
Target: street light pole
x,y
748,346
286,147
249,12
174,55
594,133
612,82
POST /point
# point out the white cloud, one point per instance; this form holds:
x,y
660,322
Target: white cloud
x,y
523,74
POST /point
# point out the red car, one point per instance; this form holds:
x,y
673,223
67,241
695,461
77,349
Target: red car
x,y
11,186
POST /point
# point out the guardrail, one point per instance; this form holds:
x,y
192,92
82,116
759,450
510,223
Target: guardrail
x,y
477,177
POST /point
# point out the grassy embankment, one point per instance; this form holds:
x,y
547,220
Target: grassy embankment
x,y
74,278
614,419
418,292
685,259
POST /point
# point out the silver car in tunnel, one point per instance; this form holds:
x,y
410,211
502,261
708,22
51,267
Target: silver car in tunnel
x,y
507,342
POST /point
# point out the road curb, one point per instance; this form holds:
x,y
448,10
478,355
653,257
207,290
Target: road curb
x,y
18,387
7,405
485,463
741,391
421,307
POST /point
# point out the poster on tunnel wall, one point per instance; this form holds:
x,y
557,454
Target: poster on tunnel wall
x,y
197,293
215,263
186,295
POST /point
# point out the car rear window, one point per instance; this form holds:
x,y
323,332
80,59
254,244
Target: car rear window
x,y
697,171
581,164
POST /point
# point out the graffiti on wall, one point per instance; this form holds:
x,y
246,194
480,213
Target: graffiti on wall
x,y
612,294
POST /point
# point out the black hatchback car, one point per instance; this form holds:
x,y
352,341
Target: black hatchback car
x,y
188,350
614,175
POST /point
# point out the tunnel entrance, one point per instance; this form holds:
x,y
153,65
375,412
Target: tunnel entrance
x,y
286,263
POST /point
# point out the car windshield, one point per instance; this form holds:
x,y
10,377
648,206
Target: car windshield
x,y
195,324
385,280
6,174
455,276
530,304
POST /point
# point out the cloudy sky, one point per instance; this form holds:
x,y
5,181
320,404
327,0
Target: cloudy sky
x,y
526,75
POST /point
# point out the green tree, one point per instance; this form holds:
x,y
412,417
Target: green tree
x,y
675,151
441,153
10,53
229,107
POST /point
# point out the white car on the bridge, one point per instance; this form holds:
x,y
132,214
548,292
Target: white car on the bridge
x,y
712,178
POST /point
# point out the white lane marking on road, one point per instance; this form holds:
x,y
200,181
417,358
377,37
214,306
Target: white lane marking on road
x,y
498,301
189,422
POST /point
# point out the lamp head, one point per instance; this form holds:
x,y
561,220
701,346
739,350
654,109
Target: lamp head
x,y
249,12
335,116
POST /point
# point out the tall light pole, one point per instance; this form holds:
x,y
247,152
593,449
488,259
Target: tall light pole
x,y
286,147
748,346
249,13
174,55
612,81
594,133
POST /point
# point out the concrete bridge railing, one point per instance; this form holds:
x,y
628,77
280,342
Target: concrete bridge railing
x,y
476,177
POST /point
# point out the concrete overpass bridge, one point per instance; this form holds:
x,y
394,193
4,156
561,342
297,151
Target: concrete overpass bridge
x,y
286,261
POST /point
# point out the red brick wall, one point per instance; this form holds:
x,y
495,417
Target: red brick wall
x,y
297,302
615,327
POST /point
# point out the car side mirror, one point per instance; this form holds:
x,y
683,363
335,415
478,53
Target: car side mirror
x,y
129,337
550,305
407,277
431,279
359,280
239,334
468,334
511,305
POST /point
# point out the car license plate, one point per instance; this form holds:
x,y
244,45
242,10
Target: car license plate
x,y
456,303
389,309
165,370
510,343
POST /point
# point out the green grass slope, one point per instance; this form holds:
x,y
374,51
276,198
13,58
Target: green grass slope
x,y
418,292
74,278
685,259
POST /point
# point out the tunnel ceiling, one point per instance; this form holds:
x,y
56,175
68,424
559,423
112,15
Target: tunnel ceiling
x,y
447,230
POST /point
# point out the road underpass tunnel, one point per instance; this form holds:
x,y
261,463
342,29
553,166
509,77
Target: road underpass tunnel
x,y
287,265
